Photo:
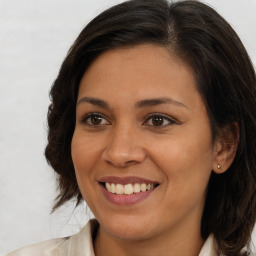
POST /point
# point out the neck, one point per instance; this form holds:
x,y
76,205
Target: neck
x,y
186,242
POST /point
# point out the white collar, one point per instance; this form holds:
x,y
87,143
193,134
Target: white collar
x,y
209,248
81,244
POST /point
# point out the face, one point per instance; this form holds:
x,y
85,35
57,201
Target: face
x,y
142,146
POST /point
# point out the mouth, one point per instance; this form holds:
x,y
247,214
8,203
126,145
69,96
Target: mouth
x,y
127,190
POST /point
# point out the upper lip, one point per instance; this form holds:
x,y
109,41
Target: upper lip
x,y
126,180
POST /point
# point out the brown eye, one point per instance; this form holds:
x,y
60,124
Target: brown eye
x,y
94,120
159,120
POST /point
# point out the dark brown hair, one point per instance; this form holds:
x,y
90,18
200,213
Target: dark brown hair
x,y
226,80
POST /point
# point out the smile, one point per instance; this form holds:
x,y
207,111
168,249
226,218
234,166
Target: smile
x,y
128,189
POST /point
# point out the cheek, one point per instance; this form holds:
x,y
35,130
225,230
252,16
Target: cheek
x,y
186,162
84,152
84,159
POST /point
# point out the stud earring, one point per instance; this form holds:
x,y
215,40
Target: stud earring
x,y
219,167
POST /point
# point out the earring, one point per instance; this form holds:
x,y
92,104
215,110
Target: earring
x,y
219,167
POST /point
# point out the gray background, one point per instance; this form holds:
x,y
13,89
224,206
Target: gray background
x,y
34,38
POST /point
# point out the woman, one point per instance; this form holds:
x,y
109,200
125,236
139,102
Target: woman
x,y
152,123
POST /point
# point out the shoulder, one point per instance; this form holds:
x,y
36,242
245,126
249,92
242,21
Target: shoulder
x,y
77,243
47,248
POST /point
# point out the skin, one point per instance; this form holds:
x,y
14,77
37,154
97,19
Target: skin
x,y
180,154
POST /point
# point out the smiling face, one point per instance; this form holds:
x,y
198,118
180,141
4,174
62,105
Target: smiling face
x,y
142,125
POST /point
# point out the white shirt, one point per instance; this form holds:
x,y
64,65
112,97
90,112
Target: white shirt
x,y
81,244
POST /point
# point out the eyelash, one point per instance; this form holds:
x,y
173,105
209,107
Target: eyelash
x,y
90,115
164,117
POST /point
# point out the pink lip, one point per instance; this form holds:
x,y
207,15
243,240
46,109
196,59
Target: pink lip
x,y
126,199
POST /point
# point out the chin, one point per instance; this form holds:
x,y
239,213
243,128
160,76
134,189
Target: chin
x,y
128,228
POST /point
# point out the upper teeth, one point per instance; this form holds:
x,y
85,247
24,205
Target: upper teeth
x,y
127,189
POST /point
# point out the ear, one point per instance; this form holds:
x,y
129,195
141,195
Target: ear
x,y
225,148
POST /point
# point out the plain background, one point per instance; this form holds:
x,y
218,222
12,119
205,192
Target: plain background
x,y
35,36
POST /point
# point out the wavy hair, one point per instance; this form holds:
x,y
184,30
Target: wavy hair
x,y
225,77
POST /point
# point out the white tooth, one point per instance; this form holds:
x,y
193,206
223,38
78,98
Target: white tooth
x,y
136,188
113,188
148,187
128,189
143,187
108,187
151,186
119,189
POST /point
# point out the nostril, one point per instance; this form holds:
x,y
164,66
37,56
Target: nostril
x,y
124,153
121,164
130,162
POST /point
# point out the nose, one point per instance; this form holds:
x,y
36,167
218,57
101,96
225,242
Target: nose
x,y
124,148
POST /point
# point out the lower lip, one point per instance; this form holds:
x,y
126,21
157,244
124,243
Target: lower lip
x,y
126,199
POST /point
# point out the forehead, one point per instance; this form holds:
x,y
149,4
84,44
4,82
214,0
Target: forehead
x,y
144,71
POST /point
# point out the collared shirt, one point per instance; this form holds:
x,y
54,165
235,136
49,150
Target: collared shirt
x,y
81,244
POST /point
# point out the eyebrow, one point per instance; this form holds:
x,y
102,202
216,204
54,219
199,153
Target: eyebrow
x,y
158,101
94,101
139,104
